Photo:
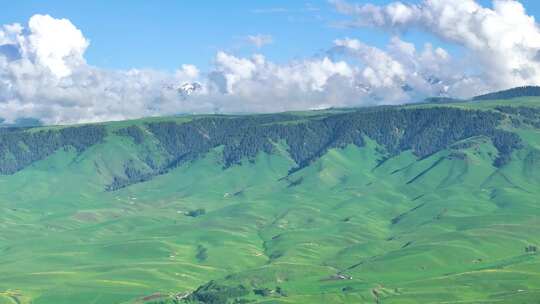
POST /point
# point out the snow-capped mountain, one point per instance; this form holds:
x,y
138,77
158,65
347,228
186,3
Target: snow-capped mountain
x,y
186,89
189,88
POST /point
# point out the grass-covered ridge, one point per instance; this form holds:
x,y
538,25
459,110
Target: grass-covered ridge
x,y
526,91
424,131
416,204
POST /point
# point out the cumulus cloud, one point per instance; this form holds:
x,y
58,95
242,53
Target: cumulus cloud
x,y
401,73
504,40
259,40
55,43
257,84
44,75
381,70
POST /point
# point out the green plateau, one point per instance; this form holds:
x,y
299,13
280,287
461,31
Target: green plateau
x,y
421,203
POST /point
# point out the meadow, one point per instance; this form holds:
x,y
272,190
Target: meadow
x,y
356,224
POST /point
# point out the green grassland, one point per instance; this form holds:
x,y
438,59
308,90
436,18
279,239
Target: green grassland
x,y
449,227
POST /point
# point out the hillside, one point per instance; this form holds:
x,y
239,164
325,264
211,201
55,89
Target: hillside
x,y
422,203
527,91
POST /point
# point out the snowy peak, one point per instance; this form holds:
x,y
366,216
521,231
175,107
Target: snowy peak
x,y
186,89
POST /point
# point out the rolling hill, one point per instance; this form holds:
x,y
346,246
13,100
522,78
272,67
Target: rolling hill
x,y
527,91
426,203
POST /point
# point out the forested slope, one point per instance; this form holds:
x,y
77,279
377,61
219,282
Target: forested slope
x,y
423,131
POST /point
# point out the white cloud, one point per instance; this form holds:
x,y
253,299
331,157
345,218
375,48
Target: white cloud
x,y
188,72
381,70
43,75
256,84
260,40
504,40
54,43
43,72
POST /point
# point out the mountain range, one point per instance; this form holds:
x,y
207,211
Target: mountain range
x,y
435,202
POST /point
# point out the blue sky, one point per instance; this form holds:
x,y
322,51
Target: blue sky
x,y
144,34
127,34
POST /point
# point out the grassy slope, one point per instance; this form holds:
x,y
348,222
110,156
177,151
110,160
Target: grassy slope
x,y
447,228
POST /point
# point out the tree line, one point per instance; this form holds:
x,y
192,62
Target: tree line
x,y
20,147
511,93
424,131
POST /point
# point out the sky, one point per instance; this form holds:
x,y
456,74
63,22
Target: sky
x,y
75,61
141,34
